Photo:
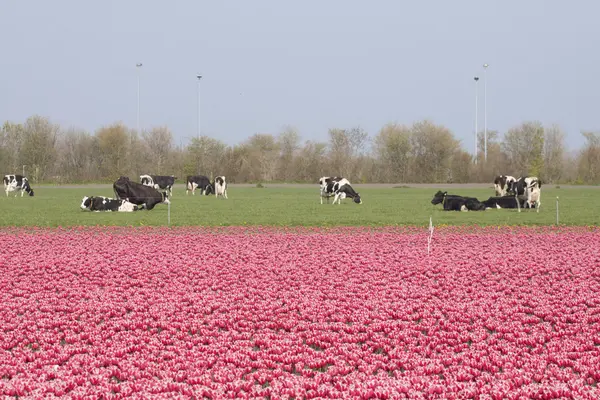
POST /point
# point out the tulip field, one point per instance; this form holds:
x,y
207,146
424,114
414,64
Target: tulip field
x,y
306,312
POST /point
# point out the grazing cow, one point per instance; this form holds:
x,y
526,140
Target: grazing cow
x,y
159,182
502,184
452,202
502,202
339,189
326,181
199,182
101,203
17,183
528,189
136,193
220,186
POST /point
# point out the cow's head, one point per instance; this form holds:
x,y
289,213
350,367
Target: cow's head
x,y
209,189
165,196
438,197
31,192
357,199
86,203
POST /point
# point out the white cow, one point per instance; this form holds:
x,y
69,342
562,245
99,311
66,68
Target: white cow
x,y
220,185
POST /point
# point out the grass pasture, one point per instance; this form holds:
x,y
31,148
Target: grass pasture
x,y
296,205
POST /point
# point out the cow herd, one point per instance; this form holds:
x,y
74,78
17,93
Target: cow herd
x,y
152,190
519,193
524,192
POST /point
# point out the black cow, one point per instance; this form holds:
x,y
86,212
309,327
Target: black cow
x,y
199,182
340,189
159,182
452,202
503,202
16,183
136,193
101,203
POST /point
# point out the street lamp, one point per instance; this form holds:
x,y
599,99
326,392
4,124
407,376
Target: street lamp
x,y
139,67
199,78
485,66
476,93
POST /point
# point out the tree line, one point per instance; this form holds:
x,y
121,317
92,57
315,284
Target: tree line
x,y
423,152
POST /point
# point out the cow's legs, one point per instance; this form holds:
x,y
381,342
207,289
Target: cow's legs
x,y
225,193
518,203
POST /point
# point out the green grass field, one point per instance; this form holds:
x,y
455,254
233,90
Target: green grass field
x,y
57,206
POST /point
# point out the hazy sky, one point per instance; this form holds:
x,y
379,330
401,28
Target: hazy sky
x,y
309,64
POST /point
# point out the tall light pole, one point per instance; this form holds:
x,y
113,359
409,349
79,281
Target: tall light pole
x,y
476,93
139,68
485,66
199,78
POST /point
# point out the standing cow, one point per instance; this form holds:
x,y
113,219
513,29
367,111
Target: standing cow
x,y
339,188
220,186
17,183
528,189
198,182
502,184
136,193
159,182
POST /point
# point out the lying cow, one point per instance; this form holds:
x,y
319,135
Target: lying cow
x,y
528,189
452,202
17,183
199,182
141,195
502,184
340,189
220,186
101,203
159,182
502,202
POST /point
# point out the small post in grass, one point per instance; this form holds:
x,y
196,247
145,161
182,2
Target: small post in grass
x,y
556,210
169,214
430,235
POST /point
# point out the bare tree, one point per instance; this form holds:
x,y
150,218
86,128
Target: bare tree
x,y
589,158
39,146
287,142
524,147
114,142
392,148
554,153
159,142
433,147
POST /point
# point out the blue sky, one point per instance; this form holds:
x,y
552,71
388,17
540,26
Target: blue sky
x,y
311,65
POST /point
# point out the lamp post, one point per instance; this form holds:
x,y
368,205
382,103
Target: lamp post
x,y
476,93
138,67
485,67
199,78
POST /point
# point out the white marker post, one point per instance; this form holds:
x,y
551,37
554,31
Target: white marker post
x,y
169,214
430,236
556,210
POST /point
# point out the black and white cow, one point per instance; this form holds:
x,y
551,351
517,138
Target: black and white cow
x,y
339,188
324,182
528,189
220,185
199,182
17,183
101,203
502,184
136,193
503,202
453,202
159,182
